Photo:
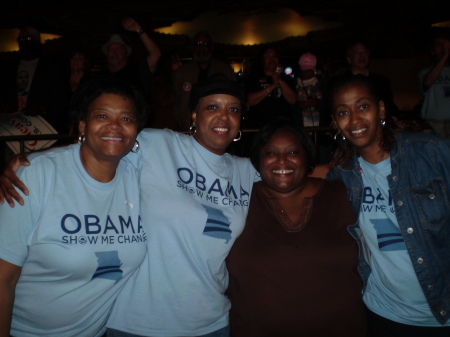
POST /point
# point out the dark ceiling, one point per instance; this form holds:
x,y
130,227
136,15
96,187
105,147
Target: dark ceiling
x,y
392,27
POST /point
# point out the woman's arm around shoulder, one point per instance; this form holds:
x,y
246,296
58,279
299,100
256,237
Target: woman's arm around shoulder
x,y
9,181
321,171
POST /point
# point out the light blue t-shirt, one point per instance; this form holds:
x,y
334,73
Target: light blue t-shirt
x,y
195,203
436,102
77,240
393,290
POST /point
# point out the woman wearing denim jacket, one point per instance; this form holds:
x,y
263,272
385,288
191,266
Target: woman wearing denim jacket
x,y
399,185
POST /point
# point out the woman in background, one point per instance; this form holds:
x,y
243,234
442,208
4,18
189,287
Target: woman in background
x,y
79,69
270,92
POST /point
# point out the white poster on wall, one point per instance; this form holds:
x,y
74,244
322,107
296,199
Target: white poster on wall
x,y
18,124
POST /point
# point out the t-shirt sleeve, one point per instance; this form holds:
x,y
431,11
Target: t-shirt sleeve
x,y
256,177
17,224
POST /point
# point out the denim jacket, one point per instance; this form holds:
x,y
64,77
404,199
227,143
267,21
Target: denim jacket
x,y
420,187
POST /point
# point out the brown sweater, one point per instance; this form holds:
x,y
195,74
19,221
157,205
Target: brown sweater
x,y
297,283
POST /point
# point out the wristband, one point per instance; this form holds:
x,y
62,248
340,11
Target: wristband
x,y
140,31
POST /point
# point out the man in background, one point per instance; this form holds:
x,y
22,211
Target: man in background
x,y
118,65
201,67
358,58
435,85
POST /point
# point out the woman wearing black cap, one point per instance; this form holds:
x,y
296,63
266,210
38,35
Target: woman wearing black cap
x,y
194,199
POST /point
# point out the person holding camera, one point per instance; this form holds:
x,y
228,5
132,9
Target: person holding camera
x,y
270,92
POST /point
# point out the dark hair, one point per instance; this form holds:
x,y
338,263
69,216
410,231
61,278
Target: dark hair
x,y
205,34
346,150
283,124
438,33
263,51
79,50
91,90
257,64
353,45
87,72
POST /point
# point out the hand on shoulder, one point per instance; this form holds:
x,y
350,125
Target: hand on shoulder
x,y
320,171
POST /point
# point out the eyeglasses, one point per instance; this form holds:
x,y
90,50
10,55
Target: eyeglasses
x,y
24,38
202,43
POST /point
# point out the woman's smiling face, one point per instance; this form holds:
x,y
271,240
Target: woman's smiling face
x,y
283,163
217,121
357,115
110,127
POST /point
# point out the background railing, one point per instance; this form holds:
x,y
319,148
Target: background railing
x,y
239,148
23,139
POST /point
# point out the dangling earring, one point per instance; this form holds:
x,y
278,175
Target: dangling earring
x,y
238,138
337,134
192,129
383,123
81,139
136,147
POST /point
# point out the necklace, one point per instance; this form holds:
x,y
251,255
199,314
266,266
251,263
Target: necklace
x,y
293,225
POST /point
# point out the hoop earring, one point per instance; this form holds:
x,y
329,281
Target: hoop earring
x,y
81,139
238,138
383,123
337,134
136,147
192,129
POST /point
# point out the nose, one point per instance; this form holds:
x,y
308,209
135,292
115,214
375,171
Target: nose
x,y
354,117
114,124
281,158
223,113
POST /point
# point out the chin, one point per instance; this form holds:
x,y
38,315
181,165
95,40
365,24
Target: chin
x,y
115,153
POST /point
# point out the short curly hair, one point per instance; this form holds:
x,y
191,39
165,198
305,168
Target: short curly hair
x,y
283,124
91,90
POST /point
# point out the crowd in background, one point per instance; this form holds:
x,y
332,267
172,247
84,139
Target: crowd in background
x,y
235,246
38,84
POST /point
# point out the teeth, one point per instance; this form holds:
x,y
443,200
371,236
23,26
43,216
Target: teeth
x,y
357,132
111,138
221,129
282,171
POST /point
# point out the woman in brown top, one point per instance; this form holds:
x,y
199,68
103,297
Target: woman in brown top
x,y
293,269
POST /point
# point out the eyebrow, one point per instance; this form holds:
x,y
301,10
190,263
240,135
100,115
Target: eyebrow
x,y
362,99
357,101
105,109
